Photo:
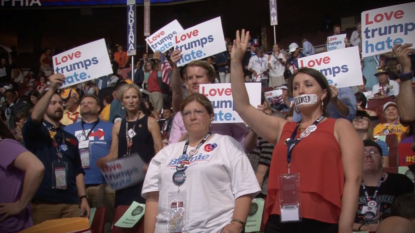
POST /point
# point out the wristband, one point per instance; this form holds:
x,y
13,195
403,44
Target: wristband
x,y
406,76
82,197
239,221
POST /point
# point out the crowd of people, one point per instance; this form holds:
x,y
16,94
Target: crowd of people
x,y
319,164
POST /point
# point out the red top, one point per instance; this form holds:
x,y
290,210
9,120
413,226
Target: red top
x,y
47,60
317,158
153,85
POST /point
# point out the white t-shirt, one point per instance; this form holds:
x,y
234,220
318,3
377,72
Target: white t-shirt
x,y
214,180
259,64
277,67
393,88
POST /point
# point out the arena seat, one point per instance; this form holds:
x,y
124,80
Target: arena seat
x,y
98,222
379,102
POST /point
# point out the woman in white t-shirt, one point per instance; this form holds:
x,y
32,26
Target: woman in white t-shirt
x,y
276,65
204,184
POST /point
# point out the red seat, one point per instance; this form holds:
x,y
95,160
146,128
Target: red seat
x,y
138,228
391,169
393,157
98,222
392,140
379,102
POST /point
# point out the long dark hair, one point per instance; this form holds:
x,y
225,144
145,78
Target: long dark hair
x,y
143,108
5,133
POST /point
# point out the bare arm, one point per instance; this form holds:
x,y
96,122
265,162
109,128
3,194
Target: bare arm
x,y
251,139
40,108
34,170
265,126
154,129
352,158
176,82
80,184
152,201
240,212
405,99
260,174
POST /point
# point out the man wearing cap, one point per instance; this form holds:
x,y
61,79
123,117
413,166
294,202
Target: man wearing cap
x,y
258,66
392,125
72,113
385,87
62,191
378,189
296,54
284,101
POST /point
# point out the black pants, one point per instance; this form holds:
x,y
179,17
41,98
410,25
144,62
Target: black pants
x,y
274,225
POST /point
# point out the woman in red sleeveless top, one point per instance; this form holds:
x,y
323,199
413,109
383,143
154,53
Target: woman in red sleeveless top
x,y
313,187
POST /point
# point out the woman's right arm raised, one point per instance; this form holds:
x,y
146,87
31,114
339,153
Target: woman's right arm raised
x,y
267,127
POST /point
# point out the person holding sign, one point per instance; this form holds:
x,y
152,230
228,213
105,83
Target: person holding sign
x,y
258,66
313,166
136,135
62,191
204,184
201,72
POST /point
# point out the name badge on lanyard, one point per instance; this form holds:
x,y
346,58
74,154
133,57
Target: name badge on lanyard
x,y
84,152
60,175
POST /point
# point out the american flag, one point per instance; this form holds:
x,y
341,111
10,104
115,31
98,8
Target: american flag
x,y
165,67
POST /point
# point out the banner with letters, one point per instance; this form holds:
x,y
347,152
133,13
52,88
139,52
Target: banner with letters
x,y
273,97
385,27
406,154
124,172
83,63
341,67
131,28
336,42
200,41
221,97
163,39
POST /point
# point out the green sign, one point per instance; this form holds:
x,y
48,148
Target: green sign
x,y
131,216
253,223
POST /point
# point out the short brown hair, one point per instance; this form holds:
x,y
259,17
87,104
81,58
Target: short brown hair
x,y
210,72
93,97
201,99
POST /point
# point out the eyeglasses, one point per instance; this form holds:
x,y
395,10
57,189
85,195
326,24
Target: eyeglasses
x,y
371,152
361,119
197,112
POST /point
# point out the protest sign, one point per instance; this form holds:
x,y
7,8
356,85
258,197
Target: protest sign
x,y
200,41
336,42
253,222
341,67
133,214
163,39
221,97
83,63
124,172
385,27
273,97
406,154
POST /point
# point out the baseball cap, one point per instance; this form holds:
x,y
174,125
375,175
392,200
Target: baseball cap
x,y
381,71
129,81
388,104
293,47
369,142
69,92
284,86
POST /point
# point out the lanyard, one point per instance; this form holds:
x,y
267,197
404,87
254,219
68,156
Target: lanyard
x,y
55,142
86,136
393,126
260,61
194,151
376,191
291,143
129,139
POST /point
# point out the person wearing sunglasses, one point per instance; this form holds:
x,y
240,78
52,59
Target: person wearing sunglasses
x,y
203,184
364,127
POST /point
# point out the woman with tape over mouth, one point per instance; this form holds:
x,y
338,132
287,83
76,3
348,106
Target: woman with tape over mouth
x,y
316,166
204,184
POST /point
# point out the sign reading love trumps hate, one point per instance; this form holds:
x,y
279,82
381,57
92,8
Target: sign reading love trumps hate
x,y
163,39
336,42
385,27
220,95
200,41
341,67
124,172
83,63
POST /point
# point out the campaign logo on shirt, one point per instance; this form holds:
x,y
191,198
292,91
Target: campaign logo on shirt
x,y
196,158
210,147
98,133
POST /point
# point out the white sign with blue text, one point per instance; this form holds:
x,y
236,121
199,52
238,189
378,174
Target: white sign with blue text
x,y
83,63
221,97
341,67
163,39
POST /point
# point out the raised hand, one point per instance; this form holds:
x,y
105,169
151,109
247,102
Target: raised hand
x,y
401,53
175,56
56,81
240,45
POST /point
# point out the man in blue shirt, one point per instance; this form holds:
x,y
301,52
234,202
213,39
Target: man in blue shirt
x,y
223,64
63,185
342,104
94,138
308,48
